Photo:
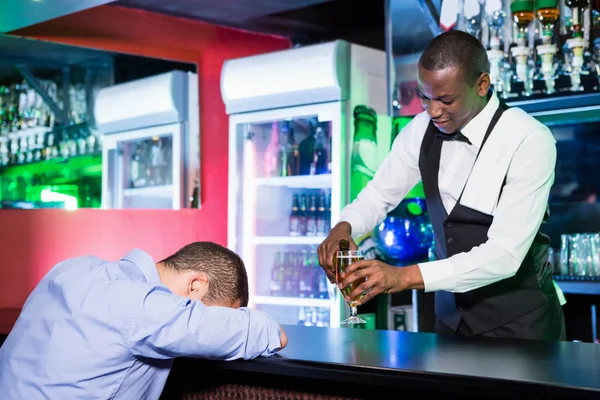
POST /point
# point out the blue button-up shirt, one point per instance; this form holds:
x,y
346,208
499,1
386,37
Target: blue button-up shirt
x,y
94,329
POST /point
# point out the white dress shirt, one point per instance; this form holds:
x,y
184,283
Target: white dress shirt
x,y
519,148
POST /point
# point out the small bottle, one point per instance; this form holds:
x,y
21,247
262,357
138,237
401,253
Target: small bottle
x,y
311,219
295,217
344,245
321,217
277,275
363,162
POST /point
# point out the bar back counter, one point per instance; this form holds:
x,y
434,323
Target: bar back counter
x,y
330,363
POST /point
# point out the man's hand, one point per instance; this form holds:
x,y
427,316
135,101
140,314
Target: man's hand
x,y
331,245
381,278
282,338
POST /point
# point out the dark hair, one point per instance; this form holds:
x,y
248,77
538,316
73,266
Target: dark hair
x,y
456,49
227,278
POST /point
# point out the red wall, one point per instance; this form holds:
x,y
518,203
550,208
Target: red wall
x,y
33,241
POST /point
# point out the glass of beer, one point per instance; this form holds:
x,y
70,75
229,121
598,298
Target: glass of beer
x,y
343,260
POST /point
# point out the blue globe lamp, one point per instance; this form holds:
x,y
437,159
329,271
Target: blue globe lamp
x,y
405,235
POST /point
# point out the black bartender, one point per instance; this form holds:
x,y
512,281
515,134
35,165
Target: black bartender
x,y
486,171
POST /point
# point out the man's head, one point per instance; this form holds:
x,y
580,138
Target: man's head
x,y
453,79
208,272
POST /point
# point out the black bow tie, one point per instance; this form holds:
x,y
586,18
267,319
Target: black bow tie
x,y
457,136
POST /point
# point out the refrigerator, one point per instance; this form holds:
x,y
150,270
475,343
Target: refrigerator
x,y
150,142
290,143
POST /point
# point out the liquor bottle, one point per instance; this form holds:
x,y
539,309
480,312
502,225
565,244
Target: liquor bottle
x,y
364,149
195,198
282,167
308,320
305,281
277,274
522,13
303,215
294,268
577,7
328,214
320,289
287,288
302,316
295,217
311,219
306,152
3,116
321,216
312,316
158,162
547,13
321,164
271,158
293,155
134,170
51,146
577,43
495,18
14,118
322,317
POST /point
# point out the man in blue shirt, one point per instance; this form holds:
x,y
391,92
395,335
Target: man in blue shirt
x,y
94,329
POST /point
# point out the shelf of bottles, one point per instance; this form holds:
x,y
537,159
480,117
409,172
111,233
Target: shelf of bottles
x,y
43,164
287,168
536,47
148,169
577,264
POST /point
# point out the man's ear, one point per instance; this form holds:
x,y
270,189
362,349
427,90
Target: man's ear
x,y
198,284
483,84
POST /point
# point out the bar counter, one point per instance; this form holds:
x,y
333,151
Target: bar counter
x,y
341,363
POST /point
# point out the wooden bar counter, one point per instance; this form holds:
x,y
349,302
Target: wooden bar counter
x,y
341,363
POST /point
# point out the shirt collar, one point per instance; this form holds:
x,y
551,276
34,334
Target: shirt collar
x,y
476,128
145,263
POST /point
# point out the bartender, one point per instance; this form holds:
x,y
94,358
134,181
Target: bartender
x,y
486,170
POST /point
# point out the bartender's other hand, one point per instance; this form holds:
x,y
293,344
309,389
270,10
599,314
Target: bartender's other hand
x,y
331,245
282,338
381,278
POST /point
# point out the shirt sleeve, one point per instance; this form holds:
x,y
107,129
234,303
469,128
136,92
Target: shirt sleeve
x,y
165,325
517,219
397,175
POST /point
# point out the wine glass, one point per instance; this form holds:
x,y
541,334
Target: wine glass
x,y
343,260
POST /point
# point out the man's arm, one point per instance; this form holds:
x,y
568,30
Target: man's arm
x,y
397,175
516,221
167,326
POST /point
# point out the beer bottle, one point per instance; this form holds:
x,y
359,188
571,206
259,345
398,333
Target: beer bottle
x,y
295,217
311,220
344,245
303,215
277,275
364,149
321,217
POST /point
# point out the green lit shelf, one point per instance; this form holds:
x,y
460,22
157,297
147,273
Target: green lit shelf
x,y
85,165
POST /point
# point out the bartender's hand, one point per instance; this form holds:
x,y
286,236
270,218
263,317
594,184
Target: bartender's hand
x,y
331,245
381,278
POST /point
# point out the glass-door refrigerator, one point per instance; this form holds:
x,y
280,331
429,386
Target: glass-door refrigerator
x,y
290,139
150,142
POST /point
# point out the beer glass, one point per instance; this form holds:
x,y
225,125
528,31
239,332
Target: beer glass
x,y
342,261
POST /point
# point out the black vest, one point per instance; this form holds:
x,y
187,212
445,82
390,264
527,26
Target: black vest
x,y
497,304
